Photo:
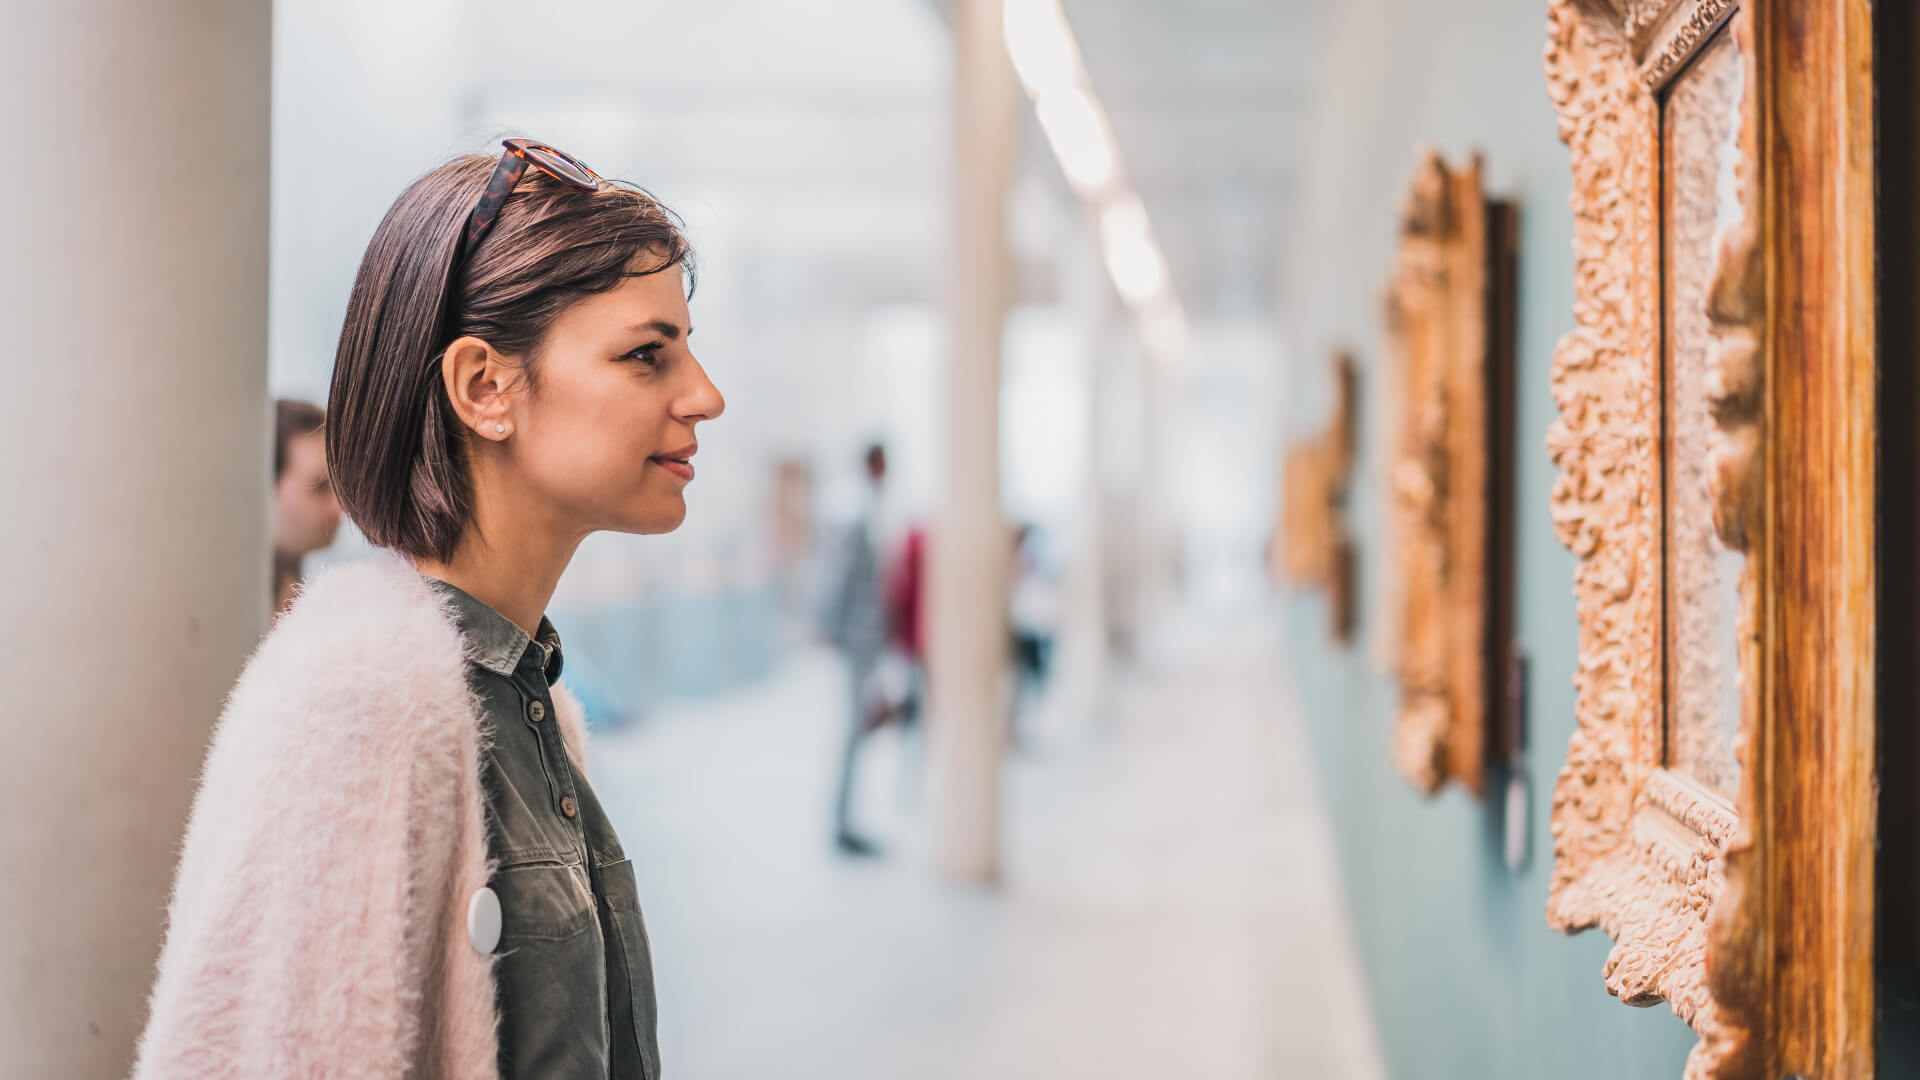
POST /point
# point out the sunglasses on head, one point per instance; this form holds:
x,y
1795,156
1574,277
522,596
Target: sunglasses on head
x,y
520,154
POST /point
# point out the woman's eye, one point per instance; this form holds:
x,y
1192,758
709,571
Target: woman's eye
x,y
646,354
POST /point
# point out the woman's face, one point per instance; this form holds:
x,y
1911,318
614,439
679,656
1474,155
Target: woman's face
x,y
605,437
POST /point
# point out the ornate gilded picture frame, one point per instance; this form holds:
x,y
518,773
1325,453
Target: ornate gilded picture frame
x,y
1448,316
1316,548
1714,814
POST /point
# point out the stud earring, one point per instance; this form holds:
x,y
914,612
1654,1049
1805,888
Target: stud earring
x,y
501,428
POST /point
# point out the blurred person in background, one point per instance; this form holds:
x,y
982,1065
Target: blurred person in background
x,y
906,620
902,676
1033,616
395,864
305,514
854,622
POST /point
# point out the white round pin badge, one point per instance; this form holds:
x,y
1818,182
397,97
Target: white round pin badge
x,y
483,920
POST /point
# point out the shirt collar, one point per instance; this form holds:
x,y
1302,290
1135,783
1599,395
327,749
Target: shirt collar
x,y
493,640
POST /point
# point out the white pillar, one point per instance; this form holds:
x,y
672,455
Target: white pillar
x,y
133,484
1082,653
1158,540
1124,465
970,543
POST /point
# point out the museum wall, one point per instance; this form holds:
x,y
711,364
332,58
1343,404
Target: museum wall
x,y
1466,978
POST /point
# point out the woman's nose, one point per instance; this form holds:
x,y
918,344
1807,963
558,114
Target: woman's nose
x,y
705,402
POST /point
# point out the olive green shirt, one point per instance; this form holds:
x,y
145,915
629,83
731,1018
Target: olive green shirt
x,y
574,979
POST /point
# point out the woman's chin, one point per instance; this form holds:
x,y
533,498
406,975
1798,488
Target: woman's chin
x,y
658,516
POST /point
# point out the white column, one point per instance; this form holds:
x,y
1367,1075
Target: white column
x,y
1124,464
1157,538
133,483
1082,652
970,543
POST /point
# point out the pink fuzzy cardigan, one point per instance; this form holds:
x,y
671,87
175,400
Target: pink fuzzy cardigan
x,y
318,923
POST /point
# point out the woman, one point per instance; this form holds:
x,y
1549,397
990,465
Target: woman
x,y
395,864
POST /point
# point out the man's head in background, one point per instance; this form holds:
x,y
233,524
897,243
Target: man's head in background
x,y
305,514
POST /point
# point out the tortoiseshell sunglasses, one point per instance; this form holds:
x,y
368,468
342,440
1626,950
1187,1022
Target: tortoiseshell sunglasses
x,y
519,154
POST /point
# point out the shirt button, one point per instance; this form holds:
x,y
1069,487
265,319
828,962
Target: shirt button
x,y
566,805
536,711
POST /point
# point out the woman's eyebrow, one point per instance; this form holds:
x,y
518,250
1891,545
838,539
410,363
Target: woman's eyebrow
x,y
669,330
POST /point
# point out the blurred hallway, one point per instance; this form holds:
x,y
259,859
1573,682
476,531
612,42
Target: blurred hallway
x,y
1170,906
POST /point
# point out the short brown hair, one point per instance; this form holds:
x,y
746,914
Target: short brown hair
x,y
396,452
292,419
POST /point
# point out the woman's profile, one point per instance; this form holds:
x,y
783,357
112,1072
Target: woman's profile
x,y
395,864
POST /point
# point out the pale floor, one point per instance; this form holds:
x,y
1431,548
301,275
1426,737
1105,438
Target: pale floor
x,y
1170,907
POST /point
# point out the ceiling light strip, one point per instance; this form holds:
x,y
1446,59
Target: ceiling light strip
x,y
1047,59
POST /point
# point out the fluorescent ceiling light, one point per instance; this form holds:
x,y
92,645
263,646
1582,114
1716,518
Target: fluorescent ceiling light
x,y
1134,260
1077,130
1041,46
1040,43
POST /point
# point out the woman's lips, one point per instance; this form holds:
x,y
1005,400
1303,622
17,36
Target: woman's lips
x,y
679,467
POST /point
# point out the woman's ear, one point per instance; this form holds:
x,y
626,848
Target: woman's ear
x,y
480,384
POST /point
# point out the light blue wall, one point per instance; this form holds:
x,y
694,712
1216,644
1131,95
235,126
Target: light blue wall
x,y
670,644
1466,978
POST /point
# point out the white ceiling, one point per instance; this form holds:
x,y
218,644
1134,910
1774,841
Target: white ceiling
x,y
806,141
1208,102
829,118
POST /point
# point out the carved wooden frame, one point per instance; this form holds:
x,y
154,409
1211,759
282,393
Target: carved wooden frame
x,y
1444,308
1316,548
1754,920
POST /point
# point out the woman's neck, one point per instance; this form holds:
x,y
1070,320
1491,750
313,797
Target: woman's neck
x,y
512,571
513,551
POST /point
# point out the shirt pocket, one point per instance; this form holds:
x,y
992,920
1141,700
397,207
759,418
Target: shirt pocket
x,y
542,901
636,954
550,983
